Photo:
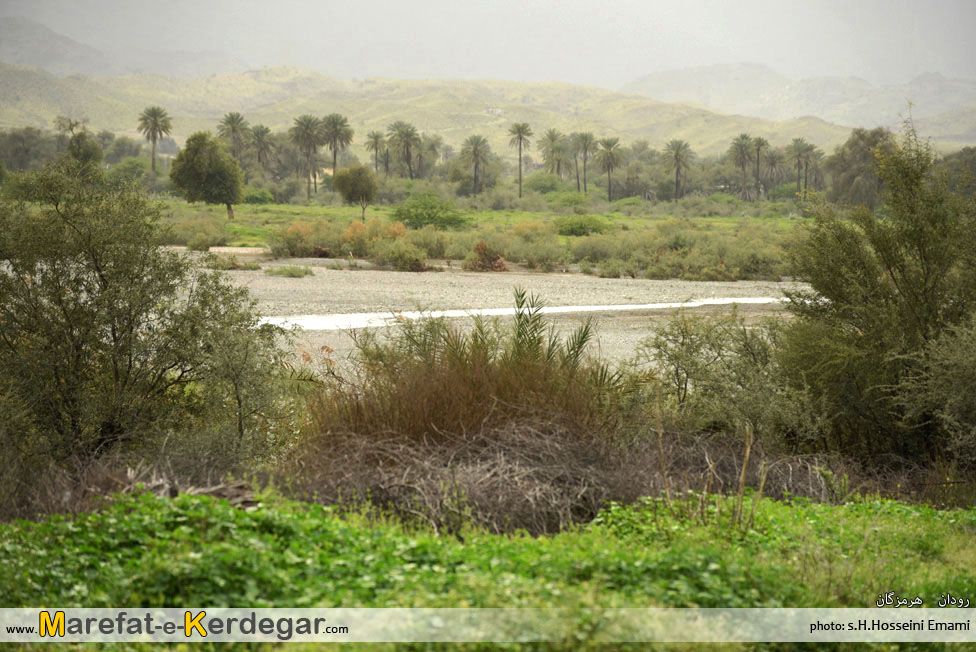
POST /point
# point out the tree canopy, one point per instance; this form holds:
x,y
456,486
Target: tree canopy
x,y
203,171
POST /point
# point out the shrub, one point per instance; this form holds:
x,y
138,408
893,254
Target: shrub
x,y
290,271
257,195
484,259
543,182
112,344
429,240
428,208
883,286
580,224
402,255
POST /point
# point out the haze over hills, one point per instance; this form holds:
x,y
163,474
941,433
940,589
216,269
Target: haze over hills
x,y
28,43
455,109
56,75
755,89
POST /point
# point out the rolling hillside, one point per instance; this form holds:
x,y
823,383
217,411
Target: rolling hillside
x,y
754,89
453,108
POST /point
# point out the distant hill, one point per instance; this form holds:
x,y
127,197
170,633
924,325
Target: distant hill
x,y
754,89
27,43
454,109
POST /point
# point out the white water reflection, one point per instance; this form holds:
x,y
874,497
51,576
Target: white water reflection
x,y
380,319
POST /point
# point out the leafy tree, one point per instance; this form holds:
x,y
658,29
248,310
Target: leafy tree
x,y
521,134
775,167
26,148
109,340
883,285
356,184
961,167
609,157
853,168
679,158
84,148
336,135
122,147
263,147
741,154
375,143
403,139
105,139
203,171
306,134
154,123
475,152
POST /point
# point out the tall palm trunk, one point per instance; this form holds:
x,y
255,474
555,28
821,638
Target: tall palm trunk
x,y
677,183
308,180
154,156
758,186
806,167
609,187
576,163
584,173
520,168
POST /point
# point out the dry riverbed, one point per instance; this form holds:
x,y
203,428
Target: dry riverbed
x,y
335,291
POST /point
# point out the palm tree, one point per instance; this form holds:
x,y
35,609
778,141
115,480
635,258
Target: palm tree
x,y
154,123
520,132
306,133
429,144
812,163
775,167
375,143
475,151
608,157
585,145
798,151
741,154
760,144
336,135
403,138
553,148
679,159
263,146
235,129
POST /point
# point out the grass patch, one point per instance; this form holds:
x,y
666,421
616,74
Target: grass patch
x,y
148,551
290,271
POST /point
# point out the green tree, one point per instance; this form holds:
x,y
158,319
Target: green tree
x,y
306,134
679,158
154,123
760,144
336,135
521,134
375,143
798,151
84,148
883,285
236,130
475,151
853,168
356,184
403,139
203,171
776,168
586,145
609,157
107,338
552,145
741,154
430,146
425,208
263,145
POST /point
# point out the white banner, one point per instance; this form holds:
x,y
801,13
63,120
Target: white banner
x,y
487,625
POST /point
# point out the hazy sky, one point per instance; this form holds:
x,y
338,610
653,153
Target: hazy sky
x,y
599,42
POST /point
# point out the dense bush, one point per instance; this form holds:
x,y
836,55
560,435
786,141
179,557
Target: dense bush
x,y
112,345
428,208
401,255
257,195
884,285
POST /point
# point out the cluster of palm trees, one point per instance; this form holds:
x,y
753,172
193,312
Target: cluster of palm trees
x,y
561,154
746,151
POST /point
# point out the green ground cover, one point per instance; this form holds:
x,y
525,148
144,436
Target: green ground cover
x,y
143,550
